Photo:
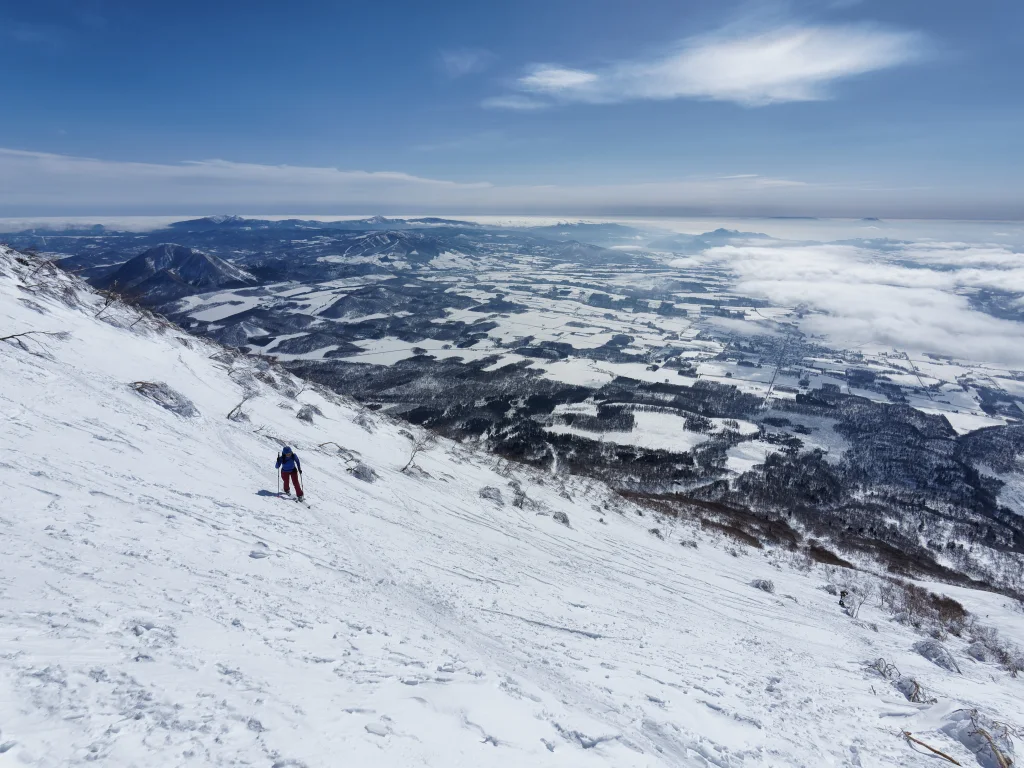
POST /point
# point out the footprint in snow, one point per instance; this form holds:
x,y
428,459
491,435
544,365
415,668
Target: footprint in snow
x,y
258,554
377,729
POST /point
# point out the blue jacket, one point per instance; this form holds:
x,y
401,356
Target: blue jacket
x,y
289,464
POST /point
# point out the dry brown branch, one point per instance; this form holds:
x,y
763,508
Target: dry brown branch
x,y
908,737
1004,762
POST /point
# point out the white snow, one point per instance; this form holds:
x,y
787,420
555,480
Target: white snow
x,y
160,606
654,430
744,456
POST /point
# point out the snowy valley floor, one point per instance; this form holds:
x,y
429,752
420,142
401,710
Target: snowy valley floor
x,y
161,606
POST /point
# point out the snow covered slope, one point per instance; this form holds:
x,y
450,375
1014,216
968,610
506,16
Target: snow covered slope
x,y
160,605
168,272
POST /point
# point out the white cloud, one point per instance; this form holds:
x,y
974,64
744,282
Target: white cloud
x,y
465,61
866,297
36,184
513,101
557,79
53,182
794,63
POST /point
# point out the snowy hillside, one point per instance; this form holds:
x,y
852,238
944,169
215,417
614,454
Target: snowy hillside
x,y
169,271
161,605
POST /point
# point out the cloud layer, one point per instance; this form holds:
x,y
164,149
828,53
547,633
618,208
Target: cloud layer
x,y
38,184
794,63
915,298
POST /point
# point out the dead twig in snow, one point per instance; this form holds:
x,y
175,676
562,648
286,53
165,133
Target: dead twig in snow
x,y
234,412
30,333
1004,762
908,737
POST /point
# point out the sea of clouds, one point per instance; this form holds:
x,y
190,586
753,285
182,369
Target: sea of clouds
x,y
909,296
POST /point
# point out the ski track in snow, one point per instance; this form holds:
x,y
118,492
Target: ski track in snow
x,y
159,605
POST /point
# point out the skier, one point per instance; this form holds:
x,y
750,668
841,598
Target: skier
x,y
291,468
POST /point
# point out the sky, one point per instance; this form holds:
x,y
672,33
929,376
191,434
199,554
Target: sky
x,y
601,107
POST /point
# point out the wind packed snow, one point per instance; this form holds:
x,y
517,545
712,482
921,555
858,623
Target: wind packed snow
x,y
160,605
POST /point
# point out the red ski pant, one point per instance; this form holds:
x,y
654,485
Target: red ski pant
x,y
292,476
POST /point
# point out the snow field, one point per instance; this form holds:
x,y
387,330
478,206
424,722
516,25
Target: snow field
x,y
159,605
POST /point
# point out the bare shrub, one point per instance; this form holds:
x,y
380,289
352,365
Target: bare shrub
x,y
920,608
307,412
365,422
419,443
165,397
937,654
19,340
855,600
363,472
519,498
908,686
561,517
236,413
765,585
989,740
491,493
989,645
981,652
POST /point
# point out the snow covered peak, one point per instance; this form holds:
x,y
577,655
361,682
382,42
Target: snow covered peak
x,y
431,605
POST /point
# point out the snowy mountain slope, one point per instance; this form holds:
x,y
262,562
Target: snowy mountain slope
x,y
161,606
169,271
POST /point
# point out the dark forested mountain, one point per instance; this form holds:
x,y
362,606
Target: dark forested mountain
x,y
169,271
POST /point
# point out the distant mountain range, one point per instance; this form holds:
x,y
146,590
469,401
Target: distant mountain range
x,y
372,223
697,243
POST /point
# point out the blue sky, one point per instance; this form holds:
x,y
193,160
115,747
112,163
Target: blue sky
x,y
565,106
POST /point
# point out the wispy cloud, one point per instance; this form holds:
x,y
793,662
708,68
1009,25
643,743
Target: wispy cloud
x,y
550,79
47,181
36,36
465,61
515,102
38,183
785,64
